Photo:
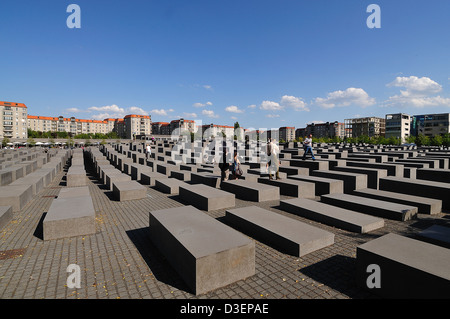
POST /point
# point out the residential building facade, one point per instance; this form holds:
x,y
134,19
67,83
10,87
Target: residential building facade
x,y
430,124
398,126
13,120
287,133
368,126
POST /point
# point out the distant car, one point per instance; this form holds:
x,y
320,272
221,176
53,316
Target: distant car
x,y
409,144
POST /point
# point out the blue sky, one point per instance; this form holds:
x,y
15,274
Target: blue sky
x,y
263,63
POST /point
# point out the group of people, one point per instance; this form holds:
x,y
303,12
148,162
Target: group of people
x,y
230,170
234,171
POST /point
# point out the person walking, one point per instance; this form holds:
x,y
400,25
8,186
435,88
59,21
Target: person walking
x,y
307,146
148,151
236,167
224,166
274,162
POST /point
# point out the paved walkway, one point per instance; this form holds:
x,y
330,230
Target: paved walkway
x,y
119,261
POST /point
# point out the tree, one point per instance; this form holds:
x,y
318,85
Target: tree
x,y
422,140
5,141
437,140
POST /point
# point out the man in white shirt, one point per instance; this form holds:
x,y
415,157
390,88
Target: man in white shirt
x,y
307,146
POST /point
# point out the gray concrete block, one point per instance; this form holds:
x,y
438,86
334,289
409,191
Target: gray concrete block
x,y
76,176
373,174
371,206
437,235
206,197
129,190
322,185
36,182
408,268
424,205
251,191
351,181
434,174
6,215
206,253
150,178
68,217
418,187
16,196
332,215
169,185
206,178
291,187
285,234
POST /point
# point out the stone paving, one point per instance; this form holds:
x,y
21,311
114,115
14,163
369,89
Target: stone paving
x,y
119,261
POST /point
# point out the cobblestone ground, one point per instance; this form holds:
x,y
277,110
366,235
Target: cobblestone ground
x,y
119,261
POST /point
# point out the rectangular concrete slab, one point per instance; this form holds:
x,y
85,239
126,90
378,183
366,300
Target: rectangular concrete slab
x,y
169,185
407,268
206,253
251,191
206,178
285,234
322,185
206,197
291,187
6,215
418,187
69,216
16,196
424,205
128,190
370,206
436,234
351,181
332,215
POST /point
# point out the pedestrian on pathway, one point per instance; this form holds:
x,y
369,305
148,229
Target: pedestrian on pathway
x,y
307,146
274,162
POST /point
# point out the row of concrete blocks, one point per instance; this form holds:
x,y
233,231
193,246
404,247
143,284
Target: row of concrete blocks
x,y
15,196
18,193
20,166
180,233
76,174
121,184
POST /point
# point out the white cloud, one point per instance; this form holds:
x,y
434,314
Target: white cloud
x,y
113,111
270,105
161,112
73,110
252,106
417,93
233,109
210,113
351,96
416,86
202,104
191,115
287,101
272,115
208,87
294,102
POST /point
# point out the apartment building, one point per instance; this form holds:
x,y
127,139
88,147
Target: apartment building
x,y
137,125
327,129
430,124
398,126
209,130
13,120
70,125
368,126
287,133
